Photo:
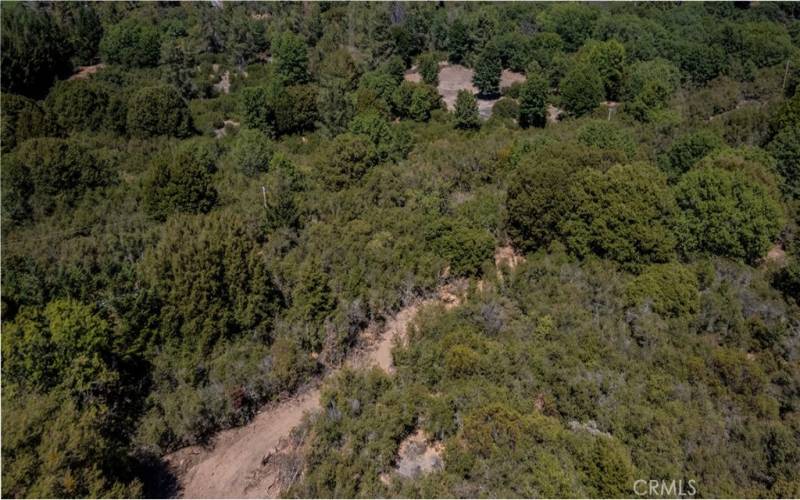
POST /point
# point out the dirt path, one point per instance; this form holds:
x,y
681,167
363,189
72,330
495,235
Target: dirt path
x,y
238,464
234,467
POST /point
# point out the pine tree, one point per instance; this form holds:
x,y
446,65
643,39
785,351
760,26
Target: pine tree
x,y
466,111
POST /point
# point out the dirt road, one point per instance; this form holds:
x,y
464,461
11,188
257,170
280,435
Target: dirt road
x,y
234,467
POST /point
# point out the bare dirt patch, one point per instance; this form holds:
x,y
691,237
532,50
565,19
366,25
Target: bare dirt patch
x,y
455,77
419,455
84,72
219,133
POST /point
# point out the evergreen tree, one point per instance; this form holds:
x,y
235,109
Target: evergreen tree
x,y
466,110
533,102
291,58
487,73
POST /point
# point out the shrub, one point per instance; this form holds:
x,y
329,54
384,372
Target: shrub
x,y
626,214
84,105
506,108
349,157
291,58
487,73
671,288
464,248
252,152
22,119
179,181
607,135
724,213
132,43
158,110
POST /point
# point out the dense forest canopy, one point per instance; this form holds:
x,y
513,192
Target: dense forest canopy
x,y
204,204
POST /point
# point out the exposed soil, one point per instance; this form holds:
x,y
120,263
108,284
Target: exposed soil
x,y
219,133
224,84
84,72
455,77
240,465
419,455
776,255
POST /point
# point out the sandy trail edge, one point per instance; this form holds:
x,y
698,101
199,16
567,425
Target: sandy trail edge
x,y
231,468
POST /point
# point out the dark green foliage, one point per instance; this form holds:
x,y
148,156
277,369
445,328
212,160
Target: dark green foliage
x,y
35,51
538,199
726,213
349,157
83,29
291,58
787,280
466,110
179,181
46,173
158,110
506,108
581,89
626,214
390,142
572,22
609,60
609,136
487,73
670,289
133,43
464,248
22,119
688,150
533,102
428,66
84,105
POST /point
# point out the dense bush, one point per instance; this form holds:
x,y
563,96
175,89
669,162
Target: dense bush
x,y
533,102
670,289
158,110
466,110
83,105
22,119
688,149
179,181
428,66
626,214
725,213
251,152
581,89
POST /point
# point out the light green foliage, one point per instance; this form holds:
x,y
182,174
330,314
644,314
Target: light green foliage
x,y
132,43
608,135
466,110
725,213
428,66
35,51
179,180
158,110
533,102
415,101
671,290
391,142
581,89
251,152
291,58
349,158
487,72
763,43
626,214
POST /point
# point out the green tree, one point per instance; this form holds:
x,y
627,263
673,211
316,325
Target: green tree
x,y
609,59
132,43
785,147
581,89
158,110
466,110
533,102
83,29
428,67
35,51
627,214
349,157
179,181
459,42
487,73
571,21
291,58
725,213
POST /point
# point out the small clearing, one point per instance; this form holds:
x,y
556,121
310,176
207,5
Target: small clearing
x,y
455,77
219,133
419,455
